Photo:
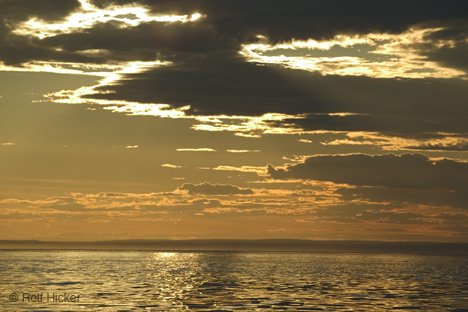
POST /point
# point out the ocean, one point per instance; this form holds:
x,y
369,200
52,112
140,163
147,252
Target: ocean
x,y
80,280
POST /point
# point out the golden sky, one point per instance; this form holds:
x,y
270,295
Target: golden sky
x,y
233,119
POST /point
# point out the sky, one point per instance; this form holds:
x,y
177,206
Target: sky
x,y
234,119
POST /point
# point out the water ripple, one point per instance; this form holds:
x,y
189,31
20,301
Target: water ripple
x,y
215,281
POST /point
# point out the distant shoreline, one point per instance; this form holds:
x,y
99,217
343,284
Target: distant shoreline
x,y
260,245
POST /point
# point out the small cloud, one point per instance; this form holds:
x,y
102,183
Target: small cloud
x,y
279,230
254,169
8,144
214,189
347,142
131,146
304,141
242,151
201,149
171,166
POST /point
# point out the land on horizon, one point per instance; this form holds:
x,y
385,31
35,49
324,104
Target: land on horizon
x,y
245,245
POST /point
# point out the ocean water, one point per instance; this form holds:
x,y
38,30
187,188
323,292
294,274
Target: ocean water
x,y
230,281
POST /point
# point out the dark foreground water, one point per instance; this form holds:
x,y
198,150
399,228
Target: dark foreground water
x,y
230,281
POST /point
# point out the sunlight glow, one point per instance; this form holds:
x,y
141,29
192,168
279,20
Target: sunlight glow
x,y
249,126
110,75
200,149
89,16
244,126
447,141
384,55
242,151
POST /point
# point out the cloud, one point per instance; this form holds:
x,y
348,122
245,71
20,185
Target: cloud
x,y
71,30
79,32
457,144
310,102
45,9
89,16
448,45
437,197
400,180
169,41
376,213
186,30
242,151
320,203
41,208
203,60
389,170
171,166
246,169
214,189
199,149
378,55
431,142
302,19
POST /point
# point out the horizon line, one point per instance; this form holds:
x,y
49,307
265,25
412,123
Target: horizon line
x,y
305,245
233,240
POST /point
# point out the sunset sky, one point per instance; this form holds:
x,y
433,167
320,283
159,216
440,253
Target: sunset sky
x,y
181,119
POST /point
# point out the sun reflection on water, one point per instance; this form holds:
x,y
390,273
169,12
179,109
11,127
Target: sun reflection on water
x,y
230,281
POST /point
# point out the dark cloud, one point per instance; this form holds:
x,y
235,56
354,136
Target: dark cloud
x,y
169,41
375,213
455,146
404,196
302,19
400,180
209,75
398,171
215,86
211,87
229,23
14,49
214,189
448,45
20,10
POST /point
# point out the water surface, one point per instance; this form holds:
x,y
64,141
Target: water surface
x,y
232,281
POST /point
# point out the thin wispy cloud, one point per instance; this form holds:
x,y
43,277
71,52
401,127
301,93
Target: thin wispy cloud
x,y
197,149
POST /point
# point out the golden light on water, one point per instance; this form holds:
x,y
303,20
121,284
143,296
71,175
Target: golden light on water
x,y
165,255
